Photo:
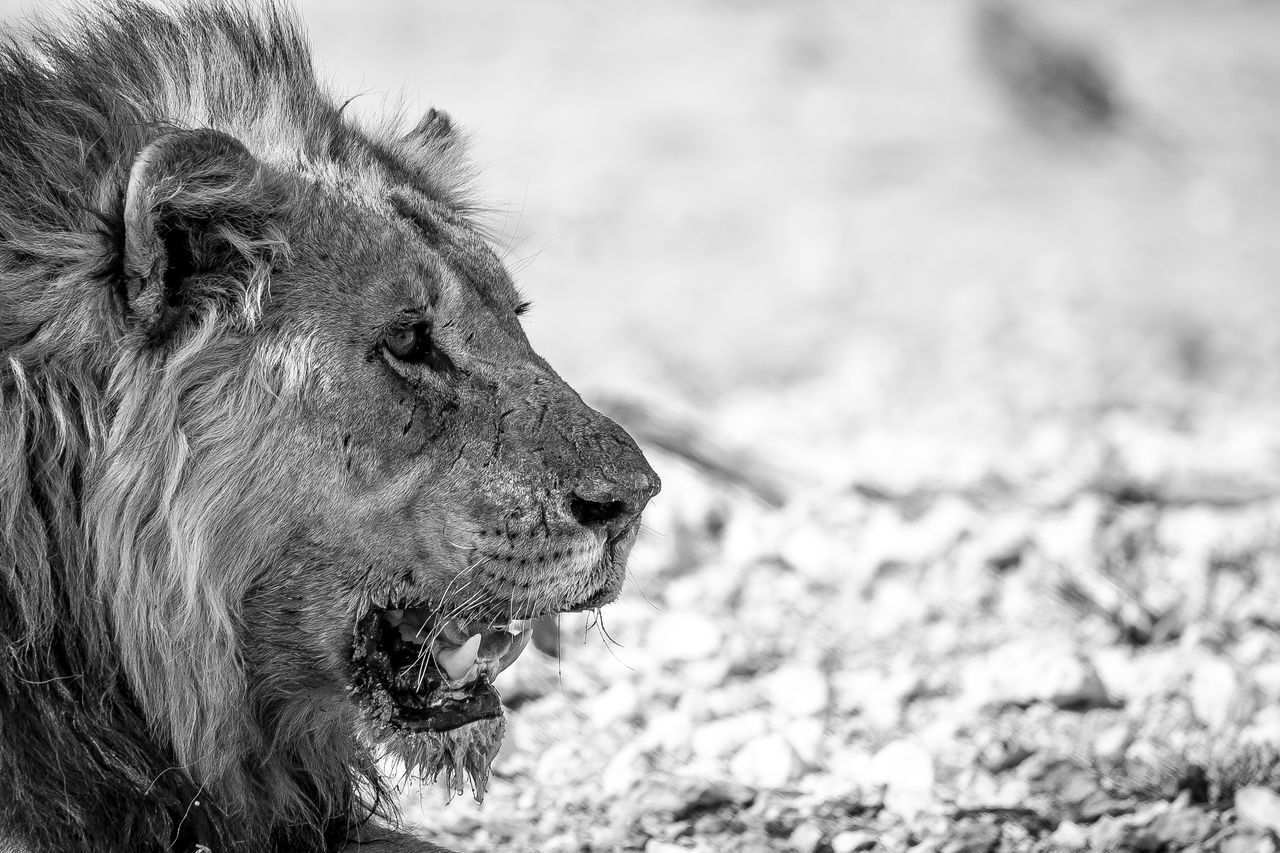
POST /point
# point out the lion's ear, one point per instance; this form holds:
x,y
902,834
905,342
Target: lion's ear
x,y
435,150
196,219
437,138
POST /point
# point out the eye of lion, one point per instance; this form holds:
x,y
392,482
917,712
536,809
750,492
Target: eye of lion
x,y
412,344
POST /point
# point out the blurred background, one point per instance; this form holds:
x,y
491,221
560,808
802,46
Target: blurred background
x,y
950,326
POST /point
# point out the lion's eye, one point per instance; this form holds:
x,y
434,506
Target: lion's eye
x,y
410,343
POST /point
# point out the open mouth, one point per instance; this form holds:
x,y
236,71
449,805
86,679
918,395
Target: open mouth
x,y
428,674
423,682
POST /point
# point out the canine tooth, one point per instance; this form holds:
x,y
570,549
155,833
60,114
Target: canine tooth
x,y
456,662
518,626
517,646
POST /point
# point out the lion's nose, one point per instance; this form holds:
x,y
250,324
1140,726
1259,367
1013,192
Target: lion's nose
x,y
613,505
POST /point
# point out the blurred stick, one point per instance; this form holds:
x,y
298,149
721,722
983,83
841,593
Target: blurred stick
x,y
693,442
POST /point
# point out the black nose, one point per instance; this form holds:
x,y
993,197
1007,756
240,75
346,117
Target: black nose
x,y
614,506
591,513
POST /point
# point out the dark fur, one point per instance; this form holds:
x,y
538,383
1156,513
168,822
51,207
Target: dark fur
x,y
81,767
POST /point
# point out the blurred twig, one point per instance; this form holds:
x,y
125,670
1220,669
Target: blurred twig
x,y
696,443
1055,85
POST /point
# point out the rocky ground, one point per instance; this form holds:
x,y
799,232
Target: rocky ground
x,y
1068,649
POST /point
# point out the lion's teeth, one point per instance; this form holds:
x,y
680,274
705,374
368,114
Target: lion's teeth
x,y
518,626
457,662
517,646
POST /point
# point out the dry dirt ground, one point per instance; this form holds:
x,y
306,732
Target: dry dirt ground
x,y
1019,383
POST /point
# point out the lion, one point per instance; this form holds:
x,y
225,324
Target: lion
x,y
282,481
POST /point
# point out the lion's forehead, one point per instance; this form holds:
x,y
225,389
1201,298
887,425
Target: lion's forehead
x,y
359,246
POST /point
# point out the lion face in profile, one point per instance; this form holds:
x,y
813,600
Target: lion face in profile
x,y
289,476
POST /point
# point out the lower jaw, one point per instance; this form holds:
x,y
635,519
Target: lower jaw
x,y
455,758
444,720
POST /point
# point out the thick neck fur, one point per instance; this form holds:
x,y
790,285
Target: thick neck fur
x,y
81,768
102,745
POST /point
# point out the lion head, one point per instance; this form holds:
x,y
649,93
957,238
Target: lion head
x,y
289,475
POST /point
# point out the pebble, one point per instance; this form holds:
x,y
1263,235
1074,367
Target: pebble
x,y
722,738
1025,673
1258,806
852,841
768,762
972,836
877,695
624,771
669,730
806,838
565,843
656,846
618,703
1183,828
799,690
1069,836
558,765
1246,843
710,795
1079,687
806,738
1214,691
905,770
684,636
813,551
1111,742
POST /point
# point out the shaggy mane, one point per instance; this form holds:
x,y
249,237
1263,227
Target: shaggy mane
x,y
116,733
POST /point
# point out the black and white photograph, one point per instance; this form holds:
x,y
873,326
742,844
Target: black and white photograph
x,y
604,426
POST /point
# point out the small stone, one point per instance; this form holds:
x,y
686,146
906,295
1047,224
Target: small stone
x,y
1214,691
710,824
1182,828
905,770
972,836
1028,672
722,738
769,762
1069,836
1110,743
852,841
565,843
879,697
1071,785
806,838
656,846
684,636
806,737
558,765
1108,834
704,796
607,838
813,551
1258,806
799,690
669,730
1080,687
624,771
1246,842
620,702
